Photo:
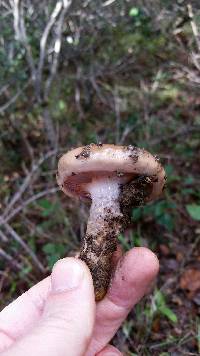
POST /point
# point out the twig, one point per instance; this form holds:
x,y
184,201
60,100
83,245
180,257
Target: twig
x,y
108,2
28,250
49,128
3,237
183,131
57,46
78,101
193,26
10,259
128,129
29,201
61,8
16,15
191,75
4,107
92,78
4,88
20,32
27,181
117,115
43,41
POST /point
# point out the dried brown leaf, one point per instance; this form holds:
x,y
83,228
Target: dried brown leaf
x,y
190,280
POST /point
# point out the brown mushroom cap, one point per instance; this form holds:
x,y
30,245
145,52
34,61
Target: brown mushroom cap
x,y
81,165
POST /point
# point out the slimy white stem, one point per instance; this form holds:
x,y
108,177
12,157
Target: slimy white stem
x,y
105,201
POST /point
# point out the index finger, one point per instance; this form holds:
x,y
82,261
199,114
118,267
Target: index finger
x,y
134,274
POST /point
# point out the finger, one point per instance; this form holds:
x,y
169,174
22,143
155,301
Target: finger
x,y
109,351
20,316
134,274
67,320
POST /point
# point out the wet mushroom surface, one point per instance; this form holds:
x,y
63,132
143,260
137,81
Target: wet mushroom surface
x,y
113,179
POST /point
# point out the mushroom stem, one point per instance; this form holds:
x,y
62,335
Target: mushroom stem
x,y
104,225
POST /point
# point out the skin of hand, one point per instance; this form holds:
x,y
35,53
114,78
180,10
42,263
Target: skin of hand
x,y
58,316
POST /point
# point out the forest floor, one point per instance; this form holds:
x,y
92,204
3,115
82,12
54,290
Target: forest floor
x,y
145,93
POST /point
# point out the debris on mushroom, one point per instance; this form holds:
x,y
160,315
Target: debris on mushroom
x,y
114,179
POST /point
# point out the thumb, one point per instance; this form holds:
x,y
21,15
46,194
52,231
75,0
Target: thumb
x,y
109,350
66,325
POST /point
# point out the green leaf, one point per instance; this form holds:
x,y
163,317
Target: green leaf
x,y
162,307
124,243
168,313
136,240
187,191
44,203
159,298
47,207
168,169
25,271
166,220
137,214
160,208
53,251
189,180
134,11
194,211
51,248
61,105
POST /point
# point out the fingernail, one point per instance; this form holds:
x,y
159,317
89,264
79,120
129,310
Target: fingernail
x,y
67,275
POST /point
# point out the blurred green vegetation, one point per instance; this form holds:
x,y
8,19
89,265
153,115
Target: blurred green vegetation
x,y
126,73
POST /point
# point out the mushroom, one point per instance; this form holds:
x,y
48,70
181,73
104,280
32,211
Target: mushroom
x,y
114,179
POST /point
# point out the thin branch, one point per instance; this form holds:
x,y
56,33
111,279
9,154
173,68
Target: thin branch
x,y
61,8
57,46
181,132
3,237
4,88
49,128
10,259
195,58
128,129
21,35
4,107
43,41
96,87
28,250
77,94
108,2
16,16
194,26
191,75
117,115
27,181
30,201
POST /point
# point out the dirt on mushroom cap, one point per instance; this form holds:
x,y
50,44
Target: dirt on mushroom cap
x,y
93,159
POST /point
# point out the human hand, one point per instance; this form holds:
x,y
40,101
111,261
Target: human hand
x,y
58,316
